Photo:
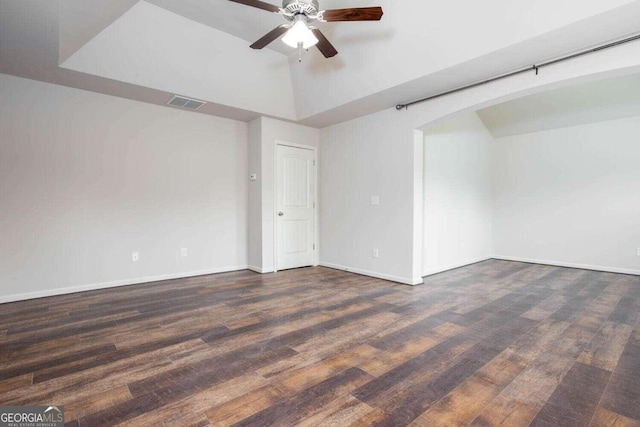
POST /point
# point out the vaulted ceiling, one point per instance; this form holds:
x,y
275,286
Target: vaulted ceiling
x,y
579,104
150,50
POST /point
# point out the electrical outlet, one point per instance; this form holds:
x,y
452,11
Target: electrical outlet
x,y
183,252
135,256
375,200
376,253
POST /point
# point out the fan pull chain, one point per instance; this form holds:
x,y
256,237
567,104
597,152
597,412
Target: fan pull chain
x,y
299,51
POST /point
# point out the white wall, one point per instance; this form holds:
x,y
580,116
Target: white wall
x,y
565,197
370,156
264,133
574,105
255,196
570,196
375,155
457,194
85,179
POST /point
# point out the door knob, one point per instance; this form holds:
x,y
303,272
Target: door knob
x,y
280,213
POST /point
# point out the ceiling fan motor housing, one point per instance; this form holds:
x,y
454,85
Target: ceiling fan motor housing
x,y
309,8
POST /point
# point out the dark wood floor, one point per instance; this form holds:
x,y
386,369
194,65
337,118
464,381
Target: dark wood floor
x,y
495,343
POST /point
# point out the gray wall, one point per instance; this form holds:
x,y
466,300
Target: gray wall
x,y
85,179
570,196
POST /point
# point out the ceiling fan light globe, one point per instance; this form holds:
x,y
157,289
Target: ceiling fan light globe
x,y
310,41
300,33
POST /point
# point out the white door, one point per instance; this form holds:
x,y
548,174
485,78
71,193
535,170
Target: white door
x,y
295,205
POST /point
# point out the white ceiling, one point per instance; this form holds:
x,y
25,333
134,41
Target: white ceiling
x,y
420,47
152,47
245,23
569,106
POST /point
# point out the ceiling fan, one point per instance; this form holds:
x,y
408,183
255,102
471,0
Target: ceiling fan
x,y
297,33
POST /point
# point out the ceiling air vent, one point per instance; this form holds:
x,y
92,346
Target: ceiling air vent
x,y
188,103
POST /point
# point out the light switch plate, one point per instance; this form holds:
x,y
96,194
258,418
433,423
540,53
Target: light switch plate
x,y
375,200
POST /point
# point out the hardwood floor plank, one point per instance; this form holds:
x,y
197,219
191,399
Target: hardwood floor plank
x,y
100,379
502,370
574,401
607,346
282,333
465,403
605,418
623,392
342,411
397,338
308,402
370,418
299,378
386,361
185,379
89,403
197,404
540,338
539,380
32,366
405,405
628,309
505,411
352,334
421,367
109,357
15,383
244,406
461,406
493,343
123,411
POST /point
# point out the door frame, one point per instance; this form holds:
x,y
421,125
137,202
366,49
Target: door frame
x,y
316,240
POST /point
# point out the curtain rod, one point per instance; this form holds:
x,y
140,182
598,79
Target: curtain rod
x,y
534,67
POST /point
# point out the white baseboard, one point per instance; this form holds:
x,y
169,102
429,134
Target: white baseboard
x,y
570,265
115,283
454,266
259,269
403,280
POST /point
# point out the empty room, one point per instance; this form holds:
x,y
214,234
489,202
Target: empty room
x,y
319,213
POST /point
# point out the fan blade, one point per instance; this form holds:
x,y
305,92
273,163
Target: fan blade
x,y
353,14
259,4
324,45
270,36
